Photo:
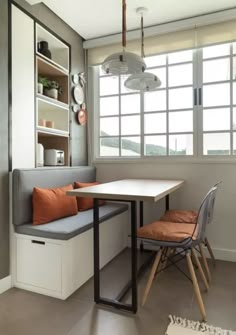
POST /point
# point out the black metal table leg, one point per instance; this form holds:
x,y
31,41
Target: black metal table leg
x,y
134,254
135,273
133,283
96,251
141,220
167,202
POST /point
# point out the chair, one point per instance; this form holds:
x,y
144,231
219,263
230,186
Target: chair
x,y
182,236
190,216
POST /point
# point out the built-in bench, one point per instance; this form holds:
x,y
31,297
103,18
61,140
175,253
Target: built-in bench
x,y
57,258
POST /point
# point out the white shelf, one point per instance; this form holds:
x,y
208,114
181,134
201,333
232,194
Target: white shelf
x,y
52,102
59,50
53,112
50,62
52,131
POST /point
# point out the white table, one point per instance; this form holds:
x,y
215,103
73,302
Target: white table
x,y
127,190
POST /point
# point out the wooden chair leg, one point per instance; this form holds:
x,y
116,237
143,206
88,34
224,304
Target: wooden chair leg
x,y
205,262
210,251
151,276
195,286
200,269
161,262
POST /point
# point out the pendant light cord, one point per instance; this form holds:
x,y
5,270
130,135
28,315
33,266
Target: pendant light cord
x,y
124,24
142,38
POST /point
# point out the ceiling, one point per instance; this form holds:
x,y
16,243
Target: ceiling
x,y
95,18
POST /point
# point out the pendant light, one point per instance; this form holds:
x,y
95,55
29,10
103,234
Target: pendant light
x,y
121,63
144,81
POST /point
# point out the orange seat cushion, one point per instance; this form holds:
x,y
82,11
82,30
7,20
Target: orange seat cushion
x,y
180,216
52,203
167,231
85,203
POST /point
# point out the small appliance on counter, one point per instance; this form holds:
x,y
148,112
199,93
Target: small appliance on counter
x,y
40,155
54,157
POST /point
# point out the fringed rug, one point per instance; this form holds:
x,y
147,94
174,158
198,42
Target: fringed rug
x,y
179,326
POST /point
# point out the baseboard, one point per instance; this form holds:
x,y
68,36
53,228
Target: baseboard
x,y
5,284
224,254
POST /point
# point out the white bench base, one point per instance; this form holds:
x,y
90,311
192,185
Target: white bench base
x,y
58,268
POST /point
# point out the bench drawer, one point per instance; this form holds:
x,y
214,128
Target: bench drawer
x,y
39,263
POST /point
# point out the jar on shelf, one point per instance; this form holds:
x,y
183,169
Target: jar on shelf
x,y
50,124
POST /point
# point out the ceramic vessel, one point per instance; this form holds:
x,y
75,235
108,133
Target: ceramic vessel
x,y
40,88
52,93
43,49
50,124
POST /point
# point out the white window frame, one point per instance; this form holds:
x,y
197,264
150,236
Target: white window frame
x,y
198,156
230,157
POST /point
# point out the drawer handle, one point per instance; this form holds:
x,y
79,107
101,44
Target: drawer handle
x,y
38,242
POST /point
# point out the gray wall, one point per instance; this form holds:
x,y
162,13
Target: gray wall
x,y
52,21
4,187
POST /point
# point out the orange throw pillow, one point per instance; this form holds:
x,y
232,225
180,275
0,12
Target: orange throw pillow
x,y
83,202
52,203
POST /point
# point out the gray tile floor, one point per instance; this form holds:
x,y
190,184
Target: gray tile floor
x,y
23,312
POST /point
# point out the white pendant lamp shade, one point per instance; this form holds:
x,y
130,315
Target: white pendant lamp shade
x,y
121,63
144,81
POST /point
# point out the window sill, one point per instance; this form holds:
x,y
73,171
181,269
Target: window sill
x,y
166,160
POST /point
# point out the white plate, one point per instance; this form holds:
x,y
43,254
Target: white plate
x,y
78,94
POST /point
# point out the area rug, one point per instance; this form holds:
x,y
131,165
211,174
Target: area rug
x,y
179,326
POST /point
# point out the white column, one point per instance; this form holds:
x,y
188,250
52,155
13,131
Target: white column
x,y
23,90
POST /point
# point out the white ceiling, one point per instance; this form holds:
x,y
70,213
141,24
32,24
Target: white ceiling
x,y
95,18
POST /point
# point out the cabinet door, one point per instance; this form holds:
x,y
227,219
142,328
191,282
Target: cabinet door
x,y
23,90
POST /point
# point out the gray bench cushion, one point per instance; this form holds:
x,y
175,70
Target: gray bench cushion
x,y
66,228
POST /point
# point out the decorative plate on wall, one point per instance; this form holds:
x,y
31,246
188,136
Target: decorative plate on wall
x,y
78,94
75,78
82,117
75,108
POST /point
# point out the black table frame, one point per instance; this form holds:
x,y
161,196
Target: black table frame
x,y
135,273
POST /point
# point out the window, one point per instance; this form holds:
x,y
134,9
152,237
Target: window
x,y
218,63
157,123
192,113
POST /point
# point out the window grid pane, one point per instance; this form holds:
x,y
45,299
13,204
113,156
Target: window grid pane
x,y
155,145
216,51
130,146
216,144
181,145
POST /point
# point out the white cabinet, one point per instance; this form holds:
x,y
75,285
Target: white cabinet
x,y
44,259
23,91
58,268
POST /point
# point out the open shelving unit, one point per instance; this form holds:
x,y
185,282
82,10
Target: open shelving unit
x,y
48,109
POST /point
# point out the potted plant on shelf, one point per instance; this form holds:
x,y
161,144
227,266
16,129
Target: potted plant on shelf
x,y
53,89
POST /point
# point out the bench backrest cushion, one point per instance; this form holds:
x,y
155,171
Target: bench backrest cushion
x,y
24,180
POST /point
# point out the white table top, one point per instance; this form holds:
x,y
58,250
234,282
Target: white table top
x,y
130,189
